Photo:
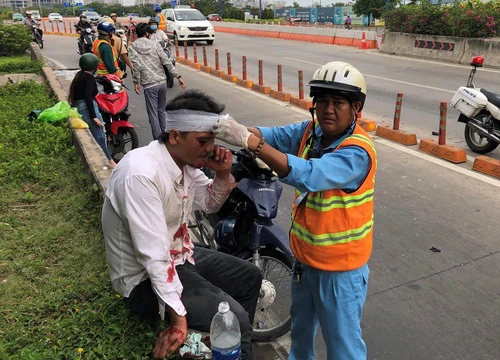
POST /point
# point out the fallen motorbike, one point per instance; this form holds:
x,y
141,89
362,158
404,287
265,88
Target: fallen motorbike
x,y
245,227
480,111
85,40
112,101
36,35
166,48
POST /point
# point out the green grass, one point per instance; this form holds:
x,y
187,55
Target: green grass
x,y
19,64
56,301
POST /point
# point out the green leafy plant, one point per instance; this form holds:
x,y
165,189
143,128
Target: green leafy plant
x,y
20,64
14,39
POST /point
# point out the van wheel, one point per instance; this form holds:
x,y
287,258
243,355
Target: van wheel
x,y
210,42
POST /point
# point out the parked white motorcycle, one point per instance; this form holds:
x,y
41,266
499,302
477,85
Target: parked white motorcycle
x,y
480,111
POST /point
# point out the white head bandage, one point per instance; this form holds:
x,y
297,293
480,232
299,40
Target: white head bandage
x,y
191,120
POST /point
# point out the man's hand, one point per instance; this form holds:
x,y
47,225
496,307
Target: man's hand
x,y
171,339
137,89
98,122
221,162
182,84
229,131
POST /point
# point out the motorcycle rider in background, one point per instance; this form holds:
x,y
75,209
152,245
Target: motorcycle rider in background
x,y
158,34
80,28
29,22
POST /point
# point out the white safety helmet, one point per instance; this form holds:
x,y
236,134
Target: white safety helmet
x,y
338,77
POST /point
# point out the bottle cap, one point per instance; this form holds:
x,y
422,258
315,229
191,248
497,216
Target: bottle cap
x,y
223,307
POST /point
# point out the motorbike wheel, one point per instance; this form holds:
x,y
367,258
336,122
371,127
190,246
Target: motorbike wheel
x,y
121,143
477,142
272,317
38,39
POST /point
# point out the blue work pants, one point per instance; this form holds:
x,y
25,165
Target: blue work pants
x,y
335,301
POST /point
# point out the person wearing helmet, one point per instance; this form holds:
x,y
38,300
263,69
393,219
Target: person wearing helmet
x,y
331,162
28,21
158,34
120,49
103,49
114,17
148,59
160,19
152,260
82,93
83,23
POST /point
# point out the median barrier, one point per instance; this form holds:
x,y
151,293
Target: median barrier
x,y
487,48
441,149
445,48
487,165
394,134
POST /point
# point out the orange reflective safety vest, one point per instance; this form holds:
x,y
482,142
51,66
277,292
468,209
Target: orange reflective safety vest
x,y
101,67
163,23
333,230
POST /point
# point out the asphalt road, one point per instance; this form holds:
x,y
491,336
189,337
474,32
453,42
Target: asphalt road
x,y
422,304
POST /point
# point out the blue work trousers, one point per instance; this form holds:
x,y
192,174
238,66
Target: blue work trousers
x,y
335,301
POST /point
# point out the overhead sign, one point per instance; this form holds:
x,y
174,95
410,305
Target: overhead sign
x,y
173,3
79,4
66,4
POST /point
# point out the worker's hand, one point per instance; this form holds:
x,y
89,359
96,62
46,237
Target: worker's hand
x,y
98,122
182,84
229,131
171,339
221,162
137,89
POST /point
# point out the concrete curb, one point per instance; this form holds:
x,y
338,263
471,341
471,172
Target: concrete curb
x,y
98,169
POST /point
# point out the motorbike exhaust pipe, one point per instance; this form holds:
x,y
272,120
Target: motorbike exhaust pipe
x,y
483,131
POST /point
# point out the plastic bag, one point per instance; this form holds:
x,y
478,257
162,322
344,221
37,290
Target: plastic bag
x,y
56,113
77,123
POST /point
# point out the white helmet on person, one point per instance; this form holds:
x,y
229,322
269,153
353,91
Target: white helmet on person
x,y
338,77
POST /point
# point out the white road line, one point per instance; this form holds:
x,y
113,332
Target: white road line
x,y
385,79
438,161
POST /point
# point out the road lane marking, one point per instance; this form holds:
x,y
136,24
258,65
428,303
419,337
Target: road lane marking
x,y
386,79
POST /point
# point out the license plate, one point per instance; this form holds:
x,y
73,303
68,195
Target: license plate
x,y
198,33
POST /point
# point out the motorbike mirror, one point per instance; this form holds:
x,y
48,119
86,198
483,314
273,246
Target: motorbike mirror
x,y
477,61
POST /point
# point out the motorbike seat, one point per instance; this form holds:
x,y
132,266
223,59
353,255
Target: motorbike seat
x,y
492,97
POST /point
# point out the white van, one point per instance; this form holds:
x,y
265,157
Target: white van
x,y
186,24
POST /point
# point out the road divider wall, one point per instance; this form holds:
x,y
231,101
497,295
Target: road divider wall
x,y
453,49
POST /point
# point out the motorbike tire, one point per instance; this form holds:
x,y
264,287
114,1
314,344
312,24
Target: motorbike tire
x,y
121,143
274,321
38,39
475,141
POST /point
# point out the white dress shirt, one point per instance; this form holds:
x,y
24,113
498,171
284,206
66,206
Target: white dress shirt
x,y
145,217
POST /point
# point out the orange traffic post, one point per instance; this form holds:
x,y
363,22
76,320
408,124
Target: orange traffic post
x,y
195,53
261,87
185,51
397,111
194,63
447,152
177,48
229,76
217,71
205,60
279,94
395,134
244,81
300,101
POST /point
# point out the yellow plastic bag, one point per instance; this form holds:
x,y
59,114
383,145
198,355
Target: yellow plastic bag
x,y
77,123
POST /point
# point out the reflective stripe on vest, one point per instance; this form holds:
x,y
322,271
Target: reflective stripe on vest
x,y
101,67
333,230
163,23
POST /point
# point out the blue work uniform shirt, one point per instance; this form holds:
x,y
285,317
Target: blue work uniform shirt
x,y
344,169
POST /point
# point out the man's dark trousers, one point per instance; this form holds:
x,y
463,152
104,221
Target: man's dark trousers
x,y
216,277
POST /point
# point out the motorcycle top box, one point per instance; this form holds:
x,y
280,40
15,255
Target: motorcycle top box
x,y
469,101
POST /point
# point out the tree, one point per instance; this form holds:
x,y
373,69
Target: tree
x,y
374,7
295,4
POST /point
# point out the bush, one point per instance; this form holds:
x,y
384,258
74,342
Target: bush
x,y
20,64
14,40
467,19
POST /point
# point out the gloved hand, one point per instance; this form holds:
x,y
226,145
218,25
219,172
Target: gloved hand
x,y
229,131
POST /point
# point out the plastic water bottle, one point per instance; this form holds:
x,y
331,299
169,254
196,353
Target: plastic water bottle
x,y
225,335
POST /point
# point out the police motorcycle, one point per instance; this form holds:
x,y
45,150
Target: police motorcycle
x,y
480,111
245,227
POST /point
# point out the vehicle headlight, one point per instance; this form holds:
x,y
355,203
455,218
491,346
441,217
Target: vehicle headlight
x,y
117,86
183,28
210,28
